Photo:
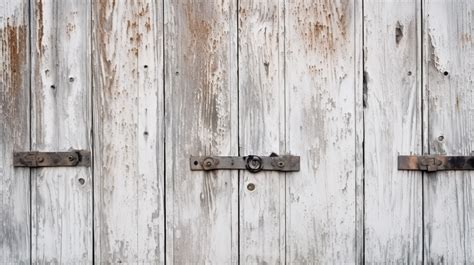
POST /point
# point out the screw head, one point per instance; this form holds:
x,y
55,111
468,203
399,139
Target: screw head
x,y
251,187
208,163
40,159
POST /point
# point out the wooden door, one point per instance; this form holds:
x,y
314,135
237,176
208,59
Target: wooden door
x,y
346,85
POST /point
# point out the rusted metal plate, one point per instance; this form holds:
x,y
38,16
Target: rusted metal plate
x,y
252,163
432,163
52,159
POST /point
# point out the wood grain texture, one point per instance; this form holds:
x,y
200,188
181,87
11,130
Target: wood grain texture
x,y
61,120
201,119
448,60
359,129
262,129
392,115
14,132
127,62
320,109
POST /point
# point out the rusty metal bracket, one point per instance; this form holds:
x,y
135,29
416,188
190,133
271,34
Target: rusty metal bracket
x,y
72,158
433,163
252,163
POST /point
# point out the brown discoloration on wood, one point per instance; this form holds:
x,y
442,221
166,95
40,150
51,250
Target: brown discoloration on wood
x,y
39,26
148,24
103,29
199,28
70,27
319,43
16,44
144,10
323,24
466,39
205,43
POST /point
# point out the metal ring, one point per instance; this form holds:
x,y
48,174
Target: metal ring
x,y
254,163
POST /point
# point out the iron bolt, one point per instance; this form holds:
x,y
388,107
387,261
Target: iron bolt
x,y
251,186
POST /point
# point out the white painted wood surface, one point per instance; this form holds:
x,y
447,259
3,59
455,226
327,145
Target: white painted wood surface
x,y
347,85
320,127
201,119
61,199
14,132
262,130
448,61
392,119
128,143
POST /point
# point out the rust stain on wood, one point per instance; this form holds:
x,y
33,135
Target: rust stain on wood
x,y
103,31
39,26
206,43
16,54
198,27
466,39
70,27
323,24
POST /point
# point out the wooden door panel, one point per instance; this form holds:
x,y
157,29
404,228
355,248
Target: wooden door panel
x,y
61,199
15,236
448,95
262,130
201,119
128,126
346,85
320,127
392,126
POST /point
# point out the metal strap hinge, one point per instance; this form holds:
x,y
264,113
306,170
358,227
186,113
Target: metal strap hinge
x,y
433,163
52,159
252,163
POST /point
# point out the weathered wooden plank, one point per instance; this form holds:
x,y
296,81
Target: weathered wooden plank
x,y
262,129
359,129
392,117
320,109
127,63
14,132
448,60
60,120
150,124
201,119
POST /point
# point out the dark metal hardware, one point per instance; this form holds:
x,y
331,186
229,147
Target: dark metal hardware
x,y
52,159
433,163
252,163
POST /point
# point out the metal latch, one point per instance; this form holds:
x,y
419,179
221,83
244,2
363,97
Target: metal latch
x,y
433,163
252,163
52,159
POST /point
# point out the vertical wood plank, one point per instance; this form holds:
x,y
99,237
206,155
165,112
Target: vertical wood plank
x,y
61,120
262,129
320,69
151,158
359,129
201,119
392,117
14,132
449,94
127,63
